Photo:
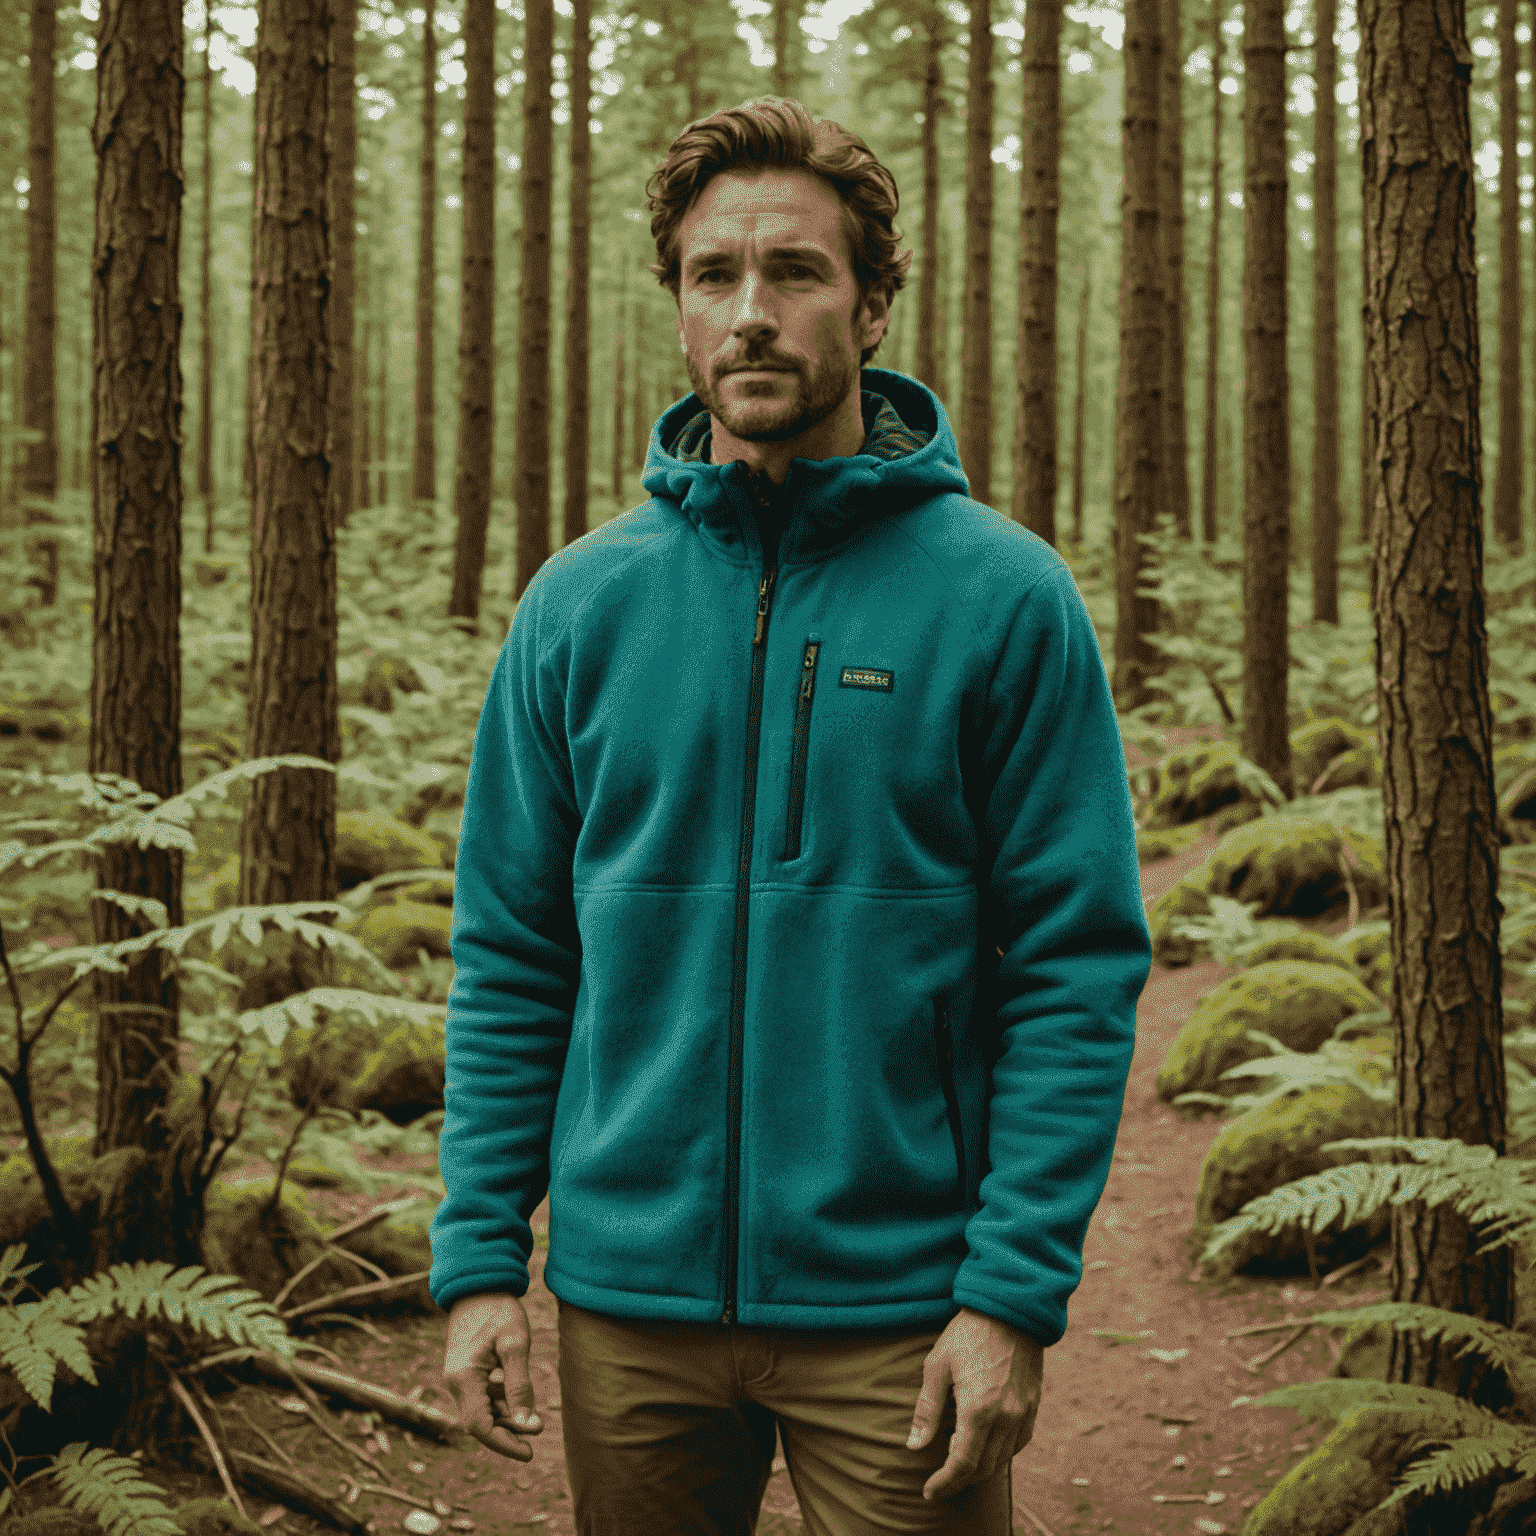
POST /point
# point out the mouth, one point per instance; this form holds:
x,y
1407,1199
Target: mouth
x,y
757,372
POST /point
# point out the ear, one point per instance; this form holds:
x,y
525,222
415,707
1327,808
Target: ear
x,y
877,315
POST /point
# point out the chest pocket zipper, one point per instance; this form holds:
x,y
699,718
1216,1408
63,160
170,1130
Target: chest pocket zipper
x,y
801,750
946,1057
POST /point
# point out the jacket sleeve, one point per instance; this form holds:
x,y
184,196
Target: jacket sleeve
x,y
1065,893
517,960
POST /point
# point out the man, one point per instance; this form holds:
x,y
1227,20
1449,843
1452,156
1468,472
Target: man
x,y
797,931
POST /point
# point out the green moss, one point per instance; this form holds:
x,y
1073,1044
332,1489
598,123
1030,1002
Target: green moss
x,y
1299,1002
1294,866
369,844
395,930
1195,782
214,1517
398,1069
1160,843
1369,947
264,1253
401,1245
1186,899
1303,944
1350,749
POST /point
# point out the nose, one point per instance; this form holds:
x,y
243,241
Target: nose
x,y
752,320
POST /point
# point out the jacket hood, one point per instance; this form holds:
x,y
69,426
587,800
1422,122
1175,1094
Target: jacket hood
x,y
827,499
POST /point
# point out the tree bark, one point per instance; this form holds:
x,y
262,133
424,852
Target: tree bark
x,y
424,436
40,477
1079,413
1139,386
477,322
1034,490
1508,485
620,326
1170,127
1435,724
1209,462
976,322
927,362
365,378
383,432
578,281
288,832
534,284
639,426
1325,322
342,319
783,72
1266,397
136,503
205,477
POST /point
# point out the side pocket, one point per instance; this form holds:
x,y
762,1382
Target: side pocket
x,y
946,1057
801,749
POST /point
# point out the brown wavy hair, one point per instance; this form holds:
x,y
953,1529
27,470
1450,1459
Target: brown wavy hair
x,y
772,134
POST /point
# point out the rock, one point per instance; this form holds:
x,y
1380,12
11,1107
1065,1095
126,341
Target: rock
x,y
1185,899
1278,1142
442,825
1299,1002
398,1069
1195,782
1344,750
1161,842
401,1244
214,1517
1369,947
395,930
1293,866
1302,944
1335,1490
43,722
369,844
1515,775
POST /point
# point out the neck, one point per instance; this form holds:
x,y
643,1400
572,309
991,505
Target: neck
x,y
839,435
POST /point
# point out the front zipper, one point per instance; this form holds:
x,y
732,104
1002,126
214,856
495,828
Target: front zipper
x,y
802,746
946,1056
739,958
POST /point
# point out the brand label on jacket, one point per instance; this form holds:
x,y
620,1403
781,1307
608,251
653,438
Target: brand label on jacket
x,y
867,677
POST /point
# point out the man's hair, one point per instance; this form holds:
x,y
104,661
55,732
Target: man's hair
x,y
772,134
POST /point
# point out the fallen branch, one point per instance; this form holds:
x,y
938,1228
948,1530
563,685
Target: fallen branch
x,y
291,1490
362,1394
374,1288
1344,1271
1252,1328
330,1252
179,1389
1034,1520
341,1440
369,1218
394,1493
1254,1366
351,1322
272,1445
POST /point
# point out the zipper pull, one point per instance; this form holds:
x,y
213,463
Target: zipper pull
x,y
808,673
726,1317
763,592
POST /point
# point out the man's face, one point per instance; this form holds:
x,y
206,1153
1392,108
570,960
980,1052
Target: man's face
x,y
766,304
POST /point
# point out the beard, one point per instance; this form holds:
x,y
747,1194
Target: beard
x,y
777,417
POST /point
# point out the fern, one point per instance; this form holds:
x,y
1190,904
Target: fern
x,y
1503,1348
34,1338
299,1010
1287,1070
99,1483
1334,1396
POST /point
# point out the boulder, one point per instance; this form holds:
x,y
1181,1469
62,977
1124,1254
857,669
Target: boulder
x,y
398,1069
1279,1141
370,844
1198,781
1157,843
442,825
1339,748
1515,777
1299,1002
1187,898
396,930
265,1252
1300,944
1294,867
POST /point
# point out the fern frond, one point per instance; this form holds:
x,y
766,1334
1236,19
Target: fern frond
x,y
1462,1464
1502,1347
299,1010
99,1483
204,1302
34,1337
1332,1397
136,906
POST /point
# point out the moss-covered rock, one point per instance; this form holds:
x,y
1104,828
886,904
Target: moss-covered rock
x,y
1345,750
1187,898
214,1517
1334,1491
395,930
398,1069
1279,1141
1299,1002
1369,947
1294,867
370,844
1195,782
401,1244
1301,944
265,1251
442,825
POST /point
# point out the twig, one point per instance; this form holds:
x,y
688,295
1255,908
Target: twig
x,y
178,1387
1333,762
395,1493
1254,1366
290,1489
272,1445
1349,883
1346,1270
282,1165
1033,1519
1252,1328
368,1218
351,1322
345,1444
398,1282
303,1274
362,1394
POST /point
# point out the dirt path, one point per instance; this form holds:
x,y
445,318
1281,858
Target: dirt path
x,y
1117,1426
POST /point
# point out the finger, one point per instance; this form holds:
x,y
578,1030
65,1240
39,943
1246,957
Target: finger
x,y
520,1407
960,1467
935,1391
499,1438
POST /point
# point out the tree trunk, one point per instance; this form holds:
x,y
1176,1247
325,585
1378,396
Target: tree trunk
x,y
927,362
533,340
1209,461
40,477
1170,128
342,319
136,502
1508,486
1435,724
288,833
578,281
1266,397
424,437
620,324
1138,394
1325,322
639,427
1079,409
976,322
1034,488
477,322
1367,417
781,66
383,433
205,298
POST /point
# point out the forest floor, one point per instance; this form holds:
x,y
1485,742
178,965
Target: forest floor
x,y
1125,1441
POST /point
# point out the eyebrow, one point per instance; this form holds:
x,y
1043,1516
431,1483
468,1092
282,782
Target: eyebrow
x,y
807,254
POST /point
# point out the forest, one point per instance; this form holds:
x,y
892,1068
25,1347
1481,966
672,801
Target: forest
x,y
324,324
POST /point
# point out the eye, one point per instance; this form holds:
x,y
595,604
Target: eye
x,y
711,272
792,270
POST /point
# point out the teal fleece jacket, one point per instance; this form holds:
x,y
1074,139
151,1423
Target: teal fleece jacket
x,y
740,849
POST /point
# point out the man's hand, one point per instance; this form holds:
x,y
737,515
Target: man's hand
x,y
488,1340
995,1371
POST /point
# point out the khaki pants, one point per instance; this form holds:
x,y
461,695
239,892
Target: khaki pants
x,y
669,1430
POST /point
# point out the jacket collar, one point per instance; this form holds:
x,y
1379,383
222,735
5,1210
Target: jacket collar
x,y
909,456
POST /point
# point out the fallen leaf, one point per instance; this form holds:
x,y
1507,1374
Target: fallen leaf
x,y
1240,1401
383,1440
1166,1356
271,1514
1213,1497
